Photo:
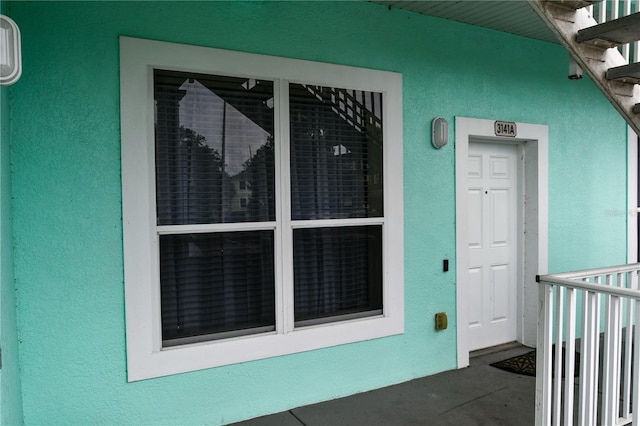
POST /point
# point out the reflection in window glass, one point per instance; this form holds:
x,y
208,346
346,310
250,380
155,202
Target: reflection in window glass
x,y
336,153
214,138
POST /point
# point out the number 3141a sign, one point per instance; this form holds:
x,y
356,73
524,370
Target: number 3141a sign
x,y
505,128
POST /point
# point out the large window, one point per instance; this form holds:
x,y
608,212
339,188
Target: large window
x,y
262,206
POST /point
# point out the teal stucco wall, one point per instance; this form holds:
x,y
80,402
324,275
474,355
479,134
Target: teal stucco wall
x,y
67,194
10,391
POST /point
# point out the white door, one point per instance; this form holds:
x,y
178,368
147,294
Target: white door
x,y
493,255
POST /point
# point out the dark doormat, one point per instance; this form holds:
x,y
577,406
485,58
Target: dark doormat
x,y
526,364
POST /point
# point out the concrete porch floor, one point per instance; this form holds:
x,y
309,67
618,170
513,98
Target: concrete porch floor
x,y
477,395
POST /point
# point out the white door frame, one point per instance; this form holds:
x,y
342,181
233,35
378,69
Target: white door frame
x,y
534,142
632,197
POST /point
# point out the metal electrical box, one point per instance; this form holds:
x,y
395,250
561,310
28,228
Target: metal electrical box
x,y
441,321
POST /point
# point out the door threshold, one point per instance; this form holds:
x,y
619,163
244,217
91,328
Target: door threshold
x,y
492,349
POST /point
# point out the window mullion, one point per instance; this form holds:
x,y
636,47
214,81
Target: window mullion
x,y
284,250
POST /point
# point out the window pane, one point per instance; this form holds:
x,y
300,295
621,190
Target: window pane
x,y
212,133
215,283
336,153
337,271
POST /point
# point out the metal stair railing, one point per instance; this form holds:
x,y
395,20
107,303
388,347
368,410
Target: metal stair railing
x,y
602,37
346,104
588,329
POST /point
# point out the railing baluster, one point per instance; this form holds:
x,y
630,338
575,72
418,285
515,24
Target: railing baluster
x,y
543,358
590,346
611,356
602,15
626,12
570,353
626,374
557,364
635,402
636,44
586,351
595,348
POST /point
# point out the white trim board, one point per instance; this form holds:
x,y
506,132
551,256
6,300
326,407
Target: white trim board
x,y
632,196
534,142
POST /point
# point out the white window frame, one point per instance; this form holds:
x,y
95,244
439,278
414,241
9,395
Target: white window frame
x,y
146,358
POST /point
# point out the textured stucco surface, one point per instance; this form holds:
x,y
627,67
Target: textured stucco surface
x,y
10,392
67,194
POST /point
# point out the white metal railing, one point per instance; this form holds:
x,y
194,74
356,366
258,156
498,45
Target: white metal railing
x,y
608,10
587,366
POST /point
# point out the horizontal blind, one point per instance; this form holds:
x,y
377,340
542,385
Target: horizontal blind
x,y
336,153
337,271
214,164
216,283
214,148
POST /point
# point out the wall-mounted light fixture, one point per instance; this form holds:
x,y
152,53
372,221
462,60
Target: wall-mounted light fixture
x,y
439,132
10,54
